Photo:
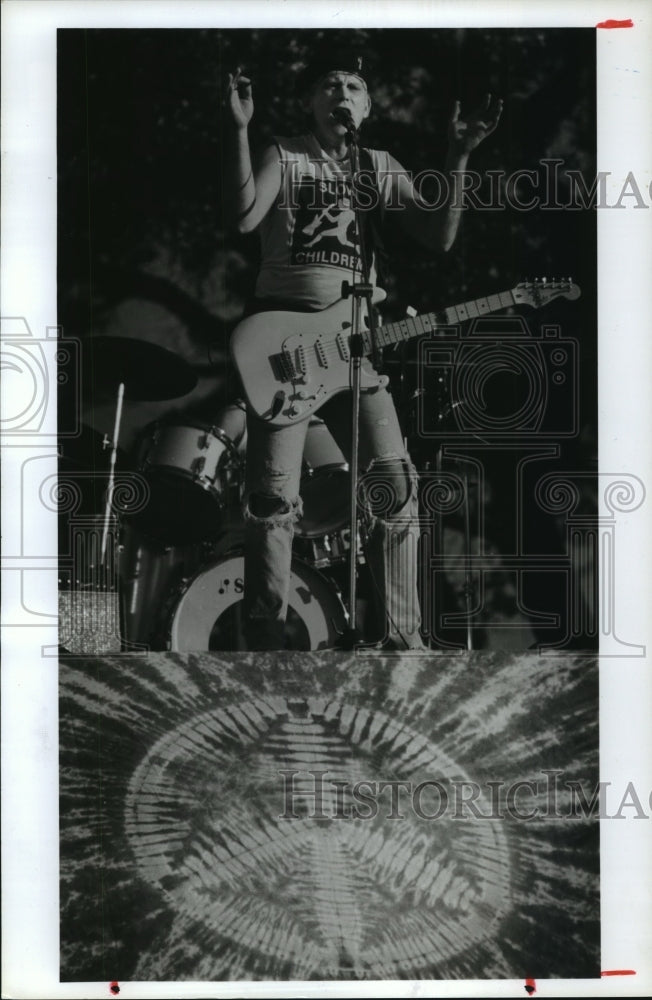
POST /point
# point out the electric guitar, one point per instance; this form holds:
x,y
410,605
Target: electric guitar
x,y
290,363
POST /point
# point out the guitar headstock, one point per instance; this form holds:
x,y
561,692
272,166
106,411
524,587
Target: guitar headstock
x,y
541,291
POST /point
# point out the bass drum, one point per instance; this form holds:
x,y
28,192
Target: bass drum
x,y
209,613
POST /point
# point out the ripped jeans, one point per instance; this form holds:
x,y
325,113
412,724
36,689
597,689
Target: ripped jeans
x,y
389,517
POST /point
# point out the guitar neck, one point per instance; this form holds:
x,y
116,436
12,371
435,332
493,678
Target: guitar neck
x,y
406,329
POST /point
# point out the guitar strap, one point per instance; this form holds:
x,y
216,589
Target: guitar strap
x,y
372,220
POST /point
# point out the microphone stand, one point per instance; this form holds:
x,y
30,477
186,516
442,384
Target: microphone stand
x,y
359,290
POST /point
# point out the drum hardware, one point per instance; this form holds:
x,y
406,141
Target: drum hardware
x,y
200,465
140,370
327,550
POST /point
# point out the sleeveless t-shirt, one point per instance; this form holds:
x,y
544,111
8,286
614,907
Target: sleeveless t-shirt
x,y
308,238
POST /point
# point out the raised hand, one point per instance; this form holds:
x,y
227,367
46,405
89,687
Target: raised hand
x,y
238,98
465,134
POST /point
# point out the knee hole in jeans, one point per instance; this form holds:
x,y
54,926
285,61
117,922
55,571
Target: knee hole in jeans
x,y
266,505
269,510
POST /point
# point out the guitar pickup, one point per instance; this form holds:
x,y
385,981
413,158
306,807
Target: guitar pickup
x,y
320,351
343,347
301,362
283,366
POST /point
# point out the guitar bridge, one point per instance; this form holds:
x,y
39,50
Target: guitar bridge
x,y
283,366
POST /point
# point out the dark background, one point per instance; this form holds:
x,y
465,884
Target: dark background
x,y
141,152
144,248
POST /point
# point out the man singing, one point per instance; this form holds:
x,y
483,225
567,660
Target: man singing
x,y
299,199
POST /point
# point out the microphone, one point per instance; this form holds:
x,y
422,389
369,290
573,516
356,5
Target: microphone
x,y
344,117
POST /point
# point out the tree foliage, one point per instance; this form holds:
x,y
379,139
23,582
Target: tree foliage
x,y
141,149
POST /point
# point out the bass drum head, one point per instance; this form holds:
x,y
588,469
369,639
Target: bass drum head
x,y
209,615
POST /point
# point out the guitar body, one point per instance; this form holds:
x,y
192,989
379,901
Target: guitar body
x,y
291,363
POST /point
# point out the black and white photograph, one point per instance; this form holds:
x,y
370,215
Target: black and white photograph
x,y
209,244
238,210
335,548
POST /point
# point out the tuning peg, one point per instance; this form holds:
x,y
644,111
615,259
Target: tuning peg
x,y
544,280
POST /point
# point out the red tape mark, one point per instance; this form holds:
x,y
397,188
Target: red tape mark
x,y
531,986
114,987
616,24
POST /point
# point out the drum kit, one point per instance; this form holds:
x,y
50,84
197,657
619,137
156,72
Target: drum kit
x,y
180,553
180,556
189,539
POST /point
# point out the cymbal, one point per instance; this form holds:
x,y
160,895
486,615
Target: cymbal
x,y
148,371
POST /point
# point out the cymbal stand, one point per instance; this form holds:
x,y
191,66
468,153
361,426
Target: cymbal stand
x,y
114,452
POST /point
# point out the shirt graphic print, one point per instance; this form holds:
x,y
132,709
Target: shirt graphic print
x,y
324,233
